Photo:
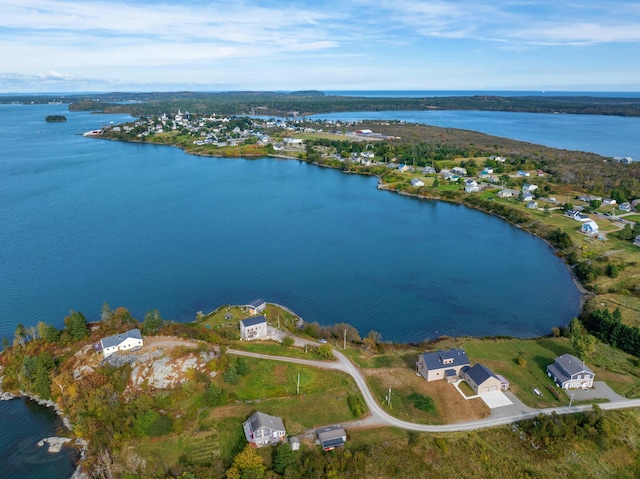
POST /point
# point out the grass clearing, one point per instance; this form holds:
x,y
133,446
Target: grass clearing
x,y
413,399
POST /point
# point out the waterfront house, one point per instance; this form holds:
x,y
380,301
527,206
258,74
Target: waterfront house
x,y
417,182
589,227
505,193
254,328
527,197
263,430
483,380
331,437
404,168
437,365
532,205
128,341
256,307
568,372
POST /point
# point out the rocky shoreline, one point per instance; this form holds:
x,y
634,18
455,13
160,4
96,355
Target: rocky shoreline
x,y
55,443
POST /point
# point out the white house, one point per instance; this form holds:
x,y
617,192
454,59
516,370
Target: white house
x,y
608,201
458,170
532,205
568,372
263,430
527,197
589,227
417,182
523,173
636,241
132,339
505,194
529,188
254,328
626,206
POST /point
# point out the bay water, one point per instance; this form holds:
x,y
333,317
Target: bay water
x,y
605,135
83,221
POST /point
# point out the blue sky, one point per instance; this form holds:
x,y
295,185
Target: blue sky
x,y
62,46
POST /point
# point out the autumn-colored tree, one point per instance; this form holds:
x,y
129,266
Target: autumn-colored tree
x,y
247,465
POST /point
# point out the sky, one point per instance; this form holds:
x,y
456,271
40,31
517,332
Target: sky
x,y
328,45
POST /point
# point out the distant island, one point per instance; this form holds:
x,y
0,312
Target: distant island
x,y
55,118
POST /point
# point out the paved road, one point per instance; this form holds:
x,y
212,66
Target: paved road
x,y
379,417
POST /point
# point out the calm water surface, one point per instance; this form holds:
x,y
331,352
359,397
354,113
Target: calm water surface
x,y
605,135
83,221
142,226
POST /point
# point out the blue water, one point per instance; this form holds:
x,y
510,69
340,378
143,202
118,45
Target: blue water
x,y
601,134
85,221
24,423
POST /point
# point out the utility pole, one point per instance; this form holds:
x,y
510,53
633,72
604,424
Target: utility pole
x,y
344,341
389,397
571,401
298,387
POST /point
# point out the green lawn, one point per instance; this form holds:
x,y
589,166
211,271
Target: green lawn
x,y
270,379
502,357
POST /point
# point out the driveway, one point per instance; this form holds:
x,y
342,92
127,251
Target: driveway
x,y
600,390
496,399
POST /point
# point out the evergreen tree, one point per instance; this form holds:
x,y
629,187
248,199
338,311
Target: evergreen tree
x,y
230,375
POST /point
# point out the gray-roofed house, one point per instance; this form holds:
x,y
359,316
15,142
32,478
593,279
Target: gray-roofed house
x,y
442,364
132,339
568,372
483,380
254,328
256,307
263,430
331,437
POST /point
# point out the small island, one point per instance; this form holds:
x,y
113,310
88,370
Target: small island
x,y
55,118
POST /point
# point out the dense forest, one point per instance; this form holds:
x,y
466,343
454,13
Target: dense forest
x,y
311,102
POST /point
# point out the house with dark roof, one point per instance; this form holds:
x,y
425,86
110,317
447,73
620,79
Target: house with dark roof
x,y
263,430
568,372
254,328
483,380
256,307
442,364
132,339
331,437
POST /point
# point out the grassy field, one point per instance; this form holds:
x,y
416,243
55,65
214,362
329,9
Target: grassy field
x,y
504,453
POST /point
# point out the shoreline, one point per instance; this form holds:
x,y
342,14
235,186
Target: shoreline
x,y
585,294
79,445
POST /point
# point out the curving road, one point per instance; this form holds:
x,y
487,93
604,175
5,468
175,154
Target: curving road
x,y
380,417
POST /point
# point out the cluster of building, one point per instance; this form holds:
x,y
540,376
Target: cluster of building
x,y
453,365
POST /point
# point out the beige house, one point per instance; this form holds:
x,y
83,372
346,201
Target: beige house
x,y
437,365
483,380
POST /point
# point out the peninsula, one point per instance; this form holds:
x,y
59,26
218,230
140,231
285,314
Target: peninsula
x,y
161,399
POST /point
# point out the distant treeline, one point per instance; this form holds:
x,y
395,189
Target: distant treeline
x,y
312,102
